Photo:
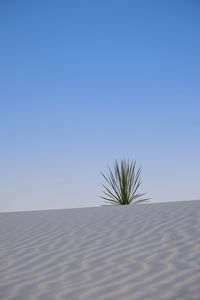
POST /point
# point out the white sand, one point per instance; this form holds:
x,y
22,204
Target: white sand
x,y
149,251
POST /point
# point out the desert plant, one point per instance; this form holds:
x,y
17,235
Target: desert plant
x,y
123,184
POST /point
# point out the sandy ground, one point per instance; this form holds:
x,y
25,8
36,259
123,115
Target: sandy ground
x,y
138,252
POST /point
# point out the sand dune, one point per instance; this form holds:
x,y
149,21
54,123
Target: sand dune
x,y
139,252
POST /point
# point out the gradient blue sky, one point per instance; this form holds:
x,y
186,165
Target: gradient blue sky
x,y
83,83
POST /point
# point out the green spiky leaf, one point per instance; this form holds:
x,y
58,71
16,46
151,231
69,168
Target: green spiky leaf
x,y
123,184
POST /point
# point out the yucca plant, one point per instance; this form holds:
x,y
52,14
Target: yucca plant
x,y
123,184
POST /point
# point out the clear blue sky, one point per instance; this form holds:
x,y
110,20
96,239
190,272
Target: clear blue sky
x,y
83,83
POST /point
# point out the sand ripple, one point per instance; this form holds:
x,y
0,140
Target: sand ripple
x,y
149,251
